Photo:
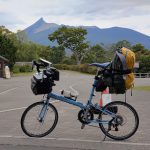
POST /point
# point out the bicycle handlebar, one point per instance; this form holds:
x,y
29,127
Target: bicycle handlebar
x,y
46,72
38,65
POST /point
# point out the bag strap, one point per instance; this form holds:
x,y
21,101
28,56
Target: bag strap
x,y
123,60
112,64
122,72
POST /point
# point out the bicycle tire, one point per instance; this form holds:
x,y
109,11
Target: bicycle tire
x,y
108,131
31,124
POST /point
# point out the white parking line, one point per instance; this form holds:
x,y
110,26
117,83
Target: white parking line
x,y
77,140
13,109
128,143
4,92
7,110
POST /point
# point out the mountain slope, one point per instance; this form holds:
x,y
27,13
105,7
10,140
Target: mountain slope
x,y
39,31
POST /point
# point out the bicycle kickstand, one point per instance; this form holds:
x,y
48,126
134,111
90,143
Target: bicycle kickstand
x,y
107,132
104,138
82,126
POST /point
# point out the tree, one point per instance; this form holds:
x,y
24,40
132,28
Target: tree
x,y
69,60
4,31
31,51
144,66
44,52
138,47
22,36
121,44
7,49
140,51
95,54
53,54
73,39
57,54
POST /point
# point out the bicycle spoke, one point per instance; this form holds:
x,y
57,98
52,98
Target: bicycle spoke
x,y
34,126
124,125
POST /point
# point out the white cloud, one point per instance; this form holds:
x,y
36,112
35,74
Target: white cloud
x,y
134,14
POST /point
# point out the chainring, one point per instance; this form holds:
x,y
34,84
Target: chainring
x,y
90,116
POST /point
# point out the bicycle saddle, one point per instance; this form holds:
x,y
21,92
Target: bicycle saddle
x,y
101,65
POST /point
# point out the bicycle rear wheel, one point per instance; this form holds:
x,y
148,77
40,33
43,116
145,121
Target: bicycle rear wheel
x,y
35,127
123,125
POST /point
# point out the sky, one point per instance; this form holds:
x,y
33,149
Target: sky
x,y
134,14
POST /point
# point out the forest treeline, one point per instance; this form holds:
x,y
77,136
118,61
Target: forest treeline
x,y
72,49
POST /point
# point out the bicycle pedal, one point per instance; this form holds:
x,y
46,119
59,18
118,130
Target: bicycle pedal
x,y
82,126
116,129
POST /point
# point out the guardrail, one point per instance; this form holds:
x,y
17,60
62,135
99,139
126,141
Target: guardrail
x,y
142,75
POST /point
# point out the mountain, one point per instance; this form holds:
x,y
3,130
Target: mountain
x,y
39,31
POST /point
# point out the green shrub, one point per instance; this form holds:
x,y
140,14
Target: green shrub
x,y
68,61
16,69
61,66
84,68
24,68
92,70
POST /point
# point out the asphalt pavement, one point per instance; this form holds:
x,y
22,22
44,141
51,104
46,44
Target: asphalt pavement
x,y
16,95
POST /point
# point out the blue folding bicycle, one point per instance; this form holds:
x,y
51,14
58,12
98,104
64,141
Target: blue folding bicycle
x,y
117,120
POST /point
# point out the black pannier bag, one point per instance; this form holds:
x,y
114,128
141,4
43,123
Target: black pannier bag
x,y
41,86
100,85
116,83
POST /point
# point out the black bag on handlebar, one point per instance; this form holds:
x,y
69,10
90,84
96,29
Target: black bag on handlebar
x,y
41,85
55,74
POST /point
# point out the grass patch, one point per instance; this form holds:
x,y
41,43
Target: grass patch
x,y
142,88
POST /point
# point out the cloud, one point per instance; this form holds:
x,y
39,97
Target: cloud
x,y
7,18
103,13
112,9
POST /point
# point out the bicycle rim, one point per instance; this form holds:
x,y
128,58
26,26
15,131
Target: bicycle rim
x,y
125,124
32,126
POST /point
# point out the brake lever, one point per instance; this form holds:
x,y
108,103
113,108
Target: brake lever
x,y
38,68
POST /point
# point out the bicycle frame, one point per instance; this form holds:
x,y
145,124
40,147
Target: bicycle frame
x,y
71,101
78,104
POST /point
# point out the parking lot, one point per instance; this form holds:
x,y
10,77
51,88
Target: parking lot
x,y
16,95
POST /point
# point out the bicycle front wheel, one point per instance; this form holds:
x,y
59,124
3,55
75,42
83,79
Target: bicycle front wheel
x,y
123,122
34,126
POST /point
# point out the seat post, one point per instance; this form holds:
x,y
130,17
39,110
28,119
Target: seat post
x,y
98,73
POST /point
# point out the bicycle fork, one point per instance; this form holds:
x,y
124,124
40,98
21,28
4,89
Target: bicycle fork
x,y
43,111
